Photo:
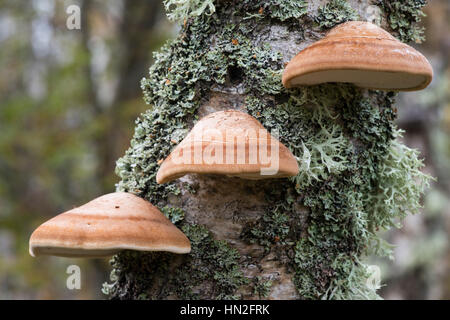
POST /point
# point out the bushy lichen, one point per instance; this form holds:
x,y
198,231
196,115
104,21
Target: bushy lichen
x,y
147,269
355,177
284,10
278,10
319,147
174,214
337,187
404,16
335,12
211,261
400,184
179,10
261,287
273,227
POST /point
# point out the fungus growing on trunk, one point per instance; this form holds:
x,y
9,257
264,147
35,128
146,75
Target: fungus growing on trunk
x,y
231,143
363,54
107,225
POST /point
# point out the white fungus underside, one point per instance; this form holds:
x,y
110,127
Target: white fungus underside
x,y
362,78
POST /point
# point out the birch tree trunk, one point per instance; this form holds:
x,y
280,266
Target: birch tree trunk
x,y
299,238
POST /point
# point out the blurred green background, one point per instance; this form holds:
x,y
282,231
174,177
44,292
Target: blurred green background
x,y
68,101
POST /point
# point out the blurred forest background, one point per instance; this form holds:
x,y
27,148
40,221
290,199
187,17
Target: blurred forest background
x,y
68,101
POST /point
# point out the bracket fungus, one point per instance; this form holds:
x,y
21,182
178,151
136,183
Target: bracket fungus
x,y
107,225
363,54
231,143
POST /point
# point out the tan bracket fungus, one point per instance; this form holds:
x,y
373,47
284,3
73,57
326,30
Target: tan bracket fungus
x,y
107,225
231,143
363,54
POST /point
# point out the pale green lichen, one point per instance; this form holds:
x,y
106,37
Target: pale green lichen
x,y
278,10
284,10
178,10
210,260
320,149
351,287
271,228
261,287
335,12
176,215
323,155
404,16
400,184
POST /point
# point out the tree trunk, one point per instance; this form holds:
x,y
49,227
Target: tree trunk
x,y
299,238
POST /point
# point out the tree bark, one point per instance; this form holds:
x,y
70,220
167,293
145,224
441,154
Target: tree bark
x,y
300,238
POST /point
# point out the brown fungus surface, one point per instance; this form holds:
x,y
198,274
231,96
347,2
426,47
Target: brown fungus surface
x,y
363,54
107,225
230,143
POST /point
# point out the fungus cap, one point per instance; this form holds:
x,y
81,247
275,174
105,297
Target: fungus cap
x,y
363,54
231,143
107,225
